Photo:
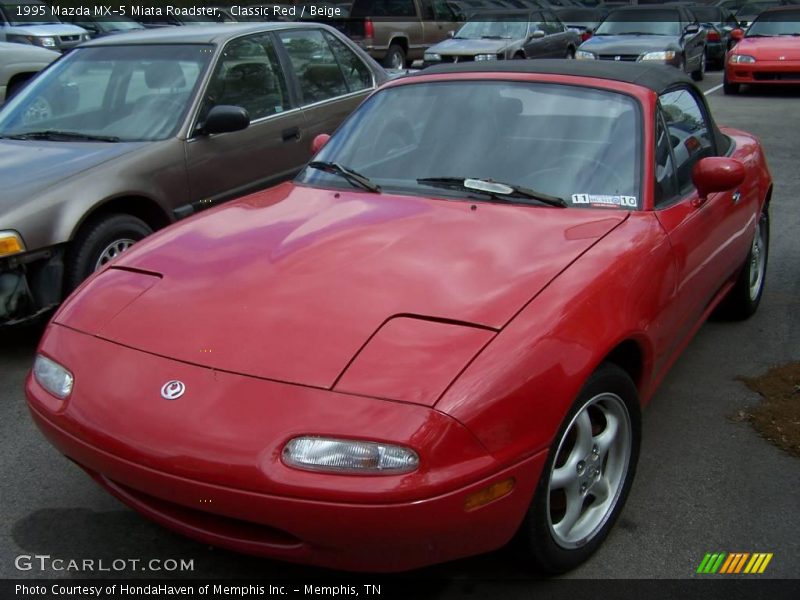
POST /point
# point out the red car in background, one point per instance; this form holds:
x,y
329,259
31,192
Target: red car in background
x,y
437,338
769,54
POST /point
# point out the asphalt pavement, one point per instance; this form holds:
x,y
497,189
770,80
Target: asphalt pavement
x,y
706,482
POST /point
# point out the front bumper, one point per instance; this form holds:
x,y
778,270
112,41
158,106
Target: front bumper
x,y
763,72
209,467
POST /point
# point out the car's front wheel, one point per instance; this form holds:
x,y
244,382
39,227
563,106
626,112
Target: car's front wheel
x,y
99,242
700,73
587,476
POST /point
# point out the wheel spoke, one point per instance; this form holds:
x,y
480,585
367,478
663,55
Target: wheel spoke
x,y
609,434
600,490
564,476
583,443
572,514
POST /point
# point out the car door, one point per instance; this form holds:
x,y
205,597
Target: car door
x,y
248,73
536,47
709,239
558,36
693,43
331,80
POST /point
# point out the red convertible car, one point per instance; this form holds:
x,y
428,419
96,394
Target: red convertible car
x,y
769,54
436,339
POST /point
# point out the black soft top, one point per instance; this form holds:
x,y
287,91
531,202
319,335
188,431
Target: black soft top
x,y
653,76
658,78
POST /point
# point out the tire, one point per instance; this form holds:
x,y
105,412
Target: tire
x,y
729,89
570,54
519,56
745,296
98,242
700,73
395,57
544,538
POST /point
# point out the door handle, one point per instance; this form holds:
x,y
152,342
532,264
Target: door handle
x,y
736,196
293,133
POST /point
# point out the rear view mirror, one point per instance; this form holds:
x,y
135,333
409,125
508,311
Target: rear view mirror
x,y
224,118
717,174
318,142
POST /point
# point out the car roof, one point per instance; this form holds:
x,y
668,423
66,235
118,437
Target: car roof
x,y
196,34
652,76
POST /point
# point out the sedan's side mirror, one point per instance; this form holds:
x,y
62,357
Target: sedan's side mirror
x,y
318,142
737,34
537,35
691,28
717,174
224,118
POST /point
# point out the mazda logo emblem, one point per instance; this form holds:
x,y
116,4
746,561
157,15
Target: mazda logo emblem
x,y
172,390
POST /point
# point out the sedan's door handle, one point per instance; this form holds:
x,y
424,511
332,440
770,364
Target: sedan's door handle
x,y
293,133
736,196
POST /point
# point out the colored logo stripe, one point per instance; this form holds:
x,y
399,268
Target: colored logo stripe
x,y
734,563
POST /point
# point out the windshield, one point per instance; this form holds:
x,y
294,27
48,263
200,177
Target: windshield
x,y
133,93
650,22
500,26
751,9
776,23
575,143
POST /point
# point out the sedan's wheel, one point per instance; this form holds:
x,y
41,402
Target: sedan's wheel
x,y
700,73
395,57
588,474
570,53
99,242
743,300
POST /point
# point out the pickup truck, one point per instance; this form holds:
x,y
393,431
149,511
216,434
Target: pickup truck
x,y
396,32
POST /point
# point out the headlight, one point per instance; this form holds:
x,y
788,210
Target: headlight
x,y
662,55
432,57
44,41
53,377
349,456
486,57
584,55
10,243
742,58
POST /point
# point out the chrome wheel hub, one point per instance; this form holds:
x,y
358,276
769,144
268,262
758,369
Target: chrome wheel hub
x,y
589,470
758,259
113,250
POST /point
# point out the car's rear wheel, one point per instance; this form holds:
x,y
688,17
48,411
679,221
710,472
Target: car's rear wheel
x,y
587,476
99,242
700,73
395,57
743,300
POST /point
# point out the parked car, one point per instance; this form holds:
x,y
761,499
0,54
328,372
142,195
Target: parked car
x,y
396,32
18,64
506,35
126,134
769,54
583,20
31,22
718,23
102,26
667,35
435,339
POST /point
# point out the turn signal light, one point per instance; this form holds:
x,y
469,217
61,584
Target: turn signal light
x,y
489,494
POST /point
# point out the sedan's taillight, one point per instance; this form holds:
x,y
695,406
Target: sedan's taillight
x,y
713,36
369,28
585,35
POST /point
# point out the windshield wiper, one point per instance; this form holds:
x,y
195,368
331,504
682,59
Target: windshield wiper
x,y
491,37
494,189
60,136
352,176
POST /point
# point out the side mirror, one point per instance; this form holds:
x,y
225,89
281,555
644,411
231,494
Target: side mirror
x,y
318,142
691,28
737,34
451,33
224,118
717,174
537,35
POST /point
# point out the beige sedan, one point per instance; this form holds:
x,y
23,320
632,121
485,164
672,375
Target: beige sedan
x,y
18,63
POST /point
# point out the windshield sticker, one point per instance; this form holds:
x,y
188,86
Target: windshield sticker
x,y
605,200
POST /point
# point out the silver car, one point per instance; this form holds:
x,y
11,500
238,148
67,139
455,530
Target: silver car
x,y
507,35
18,63
126,134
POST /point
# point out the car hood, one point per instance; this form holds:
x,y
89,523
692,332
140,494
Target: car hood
x,y
629,44
13,52
455,47
49,29
770,48
290,283
29,167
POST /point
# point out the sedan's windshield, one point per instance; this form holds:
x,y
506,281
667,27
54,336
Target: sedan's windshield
x,y
129,93
776,23
500,26
646,22
492,141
